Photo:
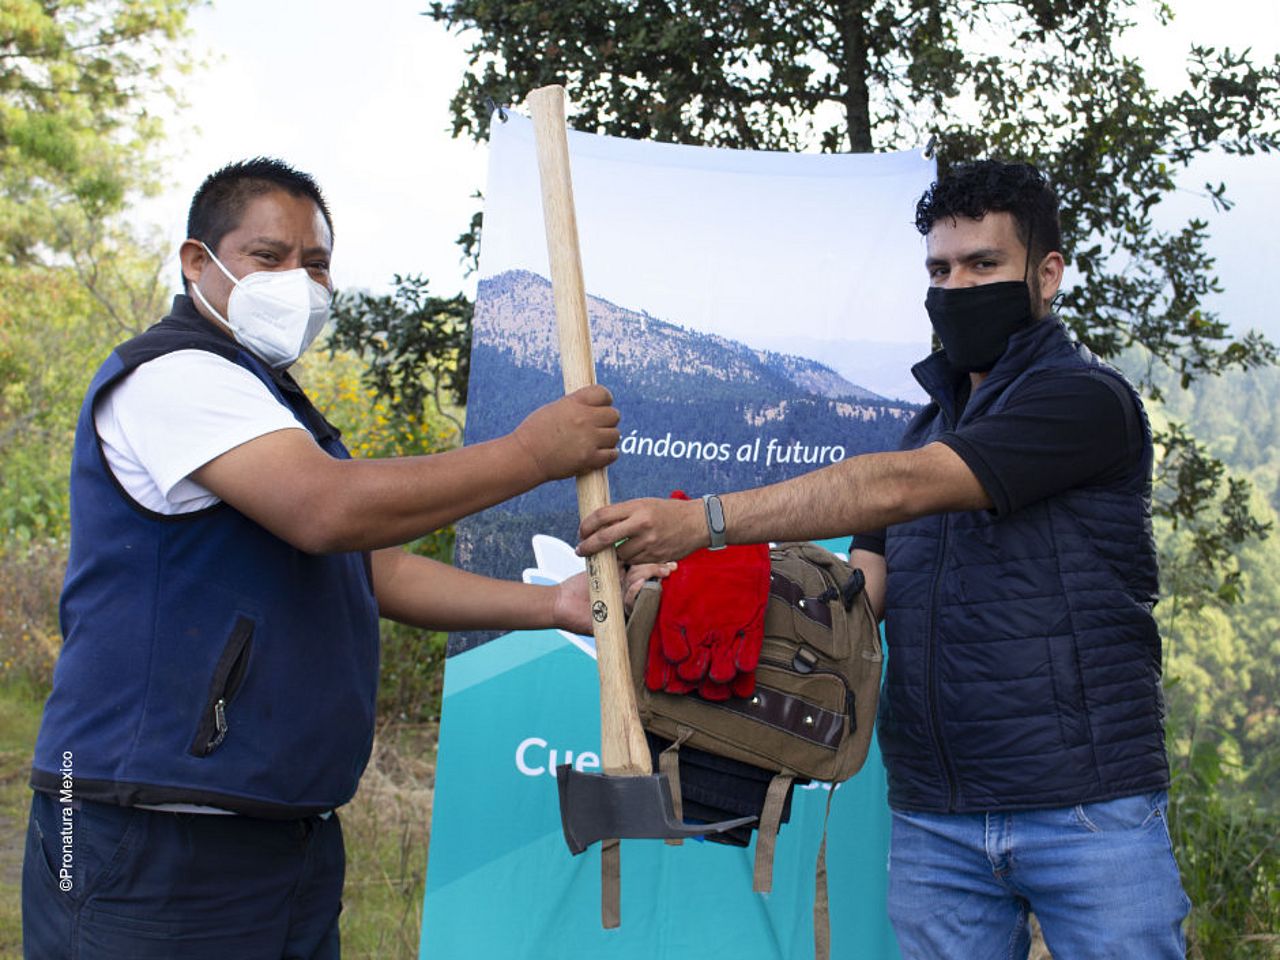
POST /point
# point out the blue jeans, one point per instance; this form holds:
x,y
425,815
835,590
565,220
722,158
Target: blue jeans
x,y
1100,877
102,882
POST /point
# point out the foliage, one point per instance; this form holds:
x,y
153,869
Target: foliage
x,y
1221,621
1217,521
30,582
412,342
1229,855
49,347
77,80
1220,616
1037,80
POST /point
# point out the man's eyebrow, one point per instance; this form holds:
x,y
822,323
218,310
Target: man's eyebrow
x,y
984,253
267,242
283,247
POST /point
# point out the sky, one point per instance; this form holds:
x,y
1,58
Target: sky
x,y
359,96
708,238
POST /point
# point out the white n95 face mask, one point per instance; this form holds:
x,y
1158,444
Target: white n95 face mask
x,y
274,313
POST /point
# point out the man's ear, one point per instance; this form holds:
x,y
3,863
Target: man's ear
x,y
1049,274
194,259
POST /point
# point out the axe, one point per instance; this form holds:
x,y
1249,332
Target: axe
x,y
628,800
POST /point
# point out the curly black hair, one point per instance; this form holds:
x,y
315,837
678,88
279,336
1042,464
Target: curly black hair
x,y
979,187
219,204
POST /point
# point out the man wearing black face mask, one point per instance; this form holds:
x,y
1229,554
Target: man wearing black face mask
x,y
1009,547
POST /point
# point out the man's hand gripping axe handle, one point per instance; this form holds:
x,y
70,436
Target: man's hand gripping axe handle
x,y
629,800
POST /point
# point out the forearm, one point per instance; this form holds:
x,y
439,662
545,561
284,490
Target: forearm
x,y
371,504
425,593
865,492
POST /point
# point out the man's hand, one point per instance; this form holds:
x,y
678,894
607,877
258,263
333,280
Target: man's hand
x,y
576,434
641,574
653,530
572,607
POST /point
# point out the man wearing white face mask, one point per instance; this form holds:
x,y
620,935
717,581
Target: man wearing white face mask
x,y
214,699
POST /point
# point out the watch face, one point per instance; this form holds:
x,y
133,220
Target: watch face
x,y
717,516
715,520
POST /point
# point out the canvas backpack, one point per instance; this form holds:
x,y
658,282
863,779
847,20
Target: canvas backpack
x,y
814,705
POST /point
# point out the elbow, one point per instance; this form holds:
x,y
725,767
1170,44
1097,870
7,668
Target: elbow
x,y
320,525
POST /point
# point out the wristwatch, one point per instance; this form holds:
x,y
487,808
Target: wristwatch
x,y
715,520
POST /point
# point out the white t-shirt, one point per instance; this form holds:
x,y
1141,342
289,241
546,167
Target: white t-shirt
x,y
174,414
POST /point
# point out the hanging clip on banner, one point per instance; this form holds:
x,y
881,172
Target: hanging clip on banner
x,y
628,800
494,107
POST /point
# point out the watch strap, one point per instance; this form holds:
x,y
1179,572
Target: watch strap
x,y
715,520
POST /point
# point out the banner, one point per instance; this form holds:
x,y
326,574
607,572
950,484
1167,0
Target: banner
x,y
756,316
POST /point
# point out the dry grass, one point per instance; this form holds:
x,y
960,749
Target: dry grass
x,y
1038,950
386,828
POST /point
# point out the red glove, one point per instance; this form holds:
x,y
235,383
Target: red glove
x,y
711,622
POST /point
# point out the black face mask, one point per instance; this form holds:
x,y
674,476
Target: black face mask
x,y
975,323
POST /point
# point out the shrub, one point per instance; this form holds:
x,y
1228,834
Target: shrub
x,y
30,582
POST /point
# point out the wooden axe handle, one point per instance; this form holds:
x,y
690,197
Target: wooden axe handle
x,y
623,749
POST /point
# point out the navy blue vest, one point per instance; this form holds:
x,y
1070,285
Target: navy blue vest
x,y
205,660
1024,661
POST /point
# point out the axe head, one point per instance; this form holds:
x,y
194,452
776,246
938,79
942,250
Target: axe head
x,y
601,806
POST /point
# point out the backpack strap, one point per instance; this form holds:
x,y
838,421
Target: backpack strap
x,y
767,830
669,763
821,904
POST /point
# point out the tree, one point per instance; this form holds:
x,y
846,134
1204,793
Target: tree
x,y
412,341
1036,80
77,81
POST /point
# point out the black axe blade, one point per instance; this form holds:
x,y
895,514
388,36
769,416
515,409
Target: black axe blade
x,y
601,806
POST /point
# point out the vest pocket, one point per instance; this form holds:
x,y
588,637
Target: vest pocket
x,y
1068,689
228,676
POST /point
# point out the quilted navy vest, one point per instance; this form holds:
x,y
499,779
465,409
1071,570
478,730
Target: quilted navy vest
x,y
1024,661
205,660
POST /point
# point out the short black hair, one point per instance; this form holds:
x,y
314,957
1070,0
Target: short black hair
x,y
220,202
979,187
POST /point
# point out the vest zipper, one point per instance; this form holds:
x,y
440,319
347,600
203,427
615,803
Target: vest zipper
x,y
227,679
931,678
950,417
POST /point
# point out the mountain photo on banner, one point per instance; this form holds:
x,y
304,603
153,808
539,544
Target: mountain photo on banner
x,y
755,316
724,416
